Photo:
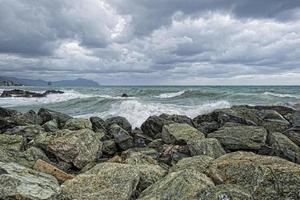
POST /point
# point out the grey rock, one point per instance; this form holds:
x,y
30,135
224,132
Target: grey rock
x,y
207,146
121,137
121,121
48,115
78,124
51,126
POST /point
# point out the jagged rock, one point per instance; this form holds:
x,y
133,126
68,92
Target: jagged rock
x,y
142,156
296,120
170,154
152,127
265,177
77,147
294,136
18,182
121,137
109,147
29,132
225,192
197,163
207,146
121,121
98,124
43,140
273,121
48,115
241,137
281,109
48,168
181,185
108,181
33,154
180,133
5,112
140,139
32,117
180,119
51,126
77,124
283,147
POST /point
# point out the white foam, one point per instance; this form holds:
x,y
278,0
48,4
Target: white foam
x,y
281,95
51,98
137,112
170,95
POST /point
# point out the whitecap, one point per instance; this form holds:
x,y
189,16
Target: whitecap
x,y
170,95
281,95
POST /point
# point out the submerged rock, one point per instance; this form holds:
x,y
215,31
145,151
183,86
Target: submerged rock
x,y
265,177
180,133
18,182
241,137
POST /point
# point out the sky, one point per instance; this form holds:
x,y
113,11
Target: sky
x,y
152,42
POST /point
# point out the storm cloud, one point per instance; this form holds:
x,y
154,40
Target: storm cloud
x,y
152,41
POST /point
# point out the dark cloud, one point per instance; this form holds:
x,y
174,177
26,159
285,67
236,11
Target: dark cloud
x,y
157,41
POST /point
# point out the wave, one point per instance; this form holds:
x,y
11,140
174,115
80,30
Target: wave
x,y
281,95
137,112
170,95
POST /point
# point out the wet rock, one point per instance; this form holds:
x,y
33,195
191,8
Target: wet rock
x,y
18,182
181,185
27,94
207,146
124,95
283,147
121,121
48,115
181,119
241,137
180,133
197,163
273,121
121,137
48,168
51,126
225,192
265,177
98,124
152,127
77,147
109,147
77,124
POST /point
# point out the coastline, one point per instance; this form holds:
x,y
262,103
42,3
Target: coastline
x,y
223,152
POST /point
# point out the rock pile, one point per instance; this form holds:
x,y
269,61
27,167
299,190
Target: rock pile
x,y
238,153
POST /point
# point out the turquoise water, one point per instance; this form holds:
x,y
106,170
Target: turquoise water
x,y
105,101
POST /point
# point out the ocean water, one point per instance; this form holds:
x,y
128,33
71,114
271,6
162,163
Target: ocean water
x,y
105,101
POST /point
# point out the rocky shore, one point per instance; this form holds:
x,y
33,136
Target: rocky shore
x,y
239,153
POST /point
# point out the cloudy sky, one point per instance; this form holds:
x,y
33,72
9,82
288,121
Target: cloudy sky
x,y
193,42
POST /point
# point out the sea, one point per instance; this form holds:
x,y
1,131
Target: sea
x,y
144,101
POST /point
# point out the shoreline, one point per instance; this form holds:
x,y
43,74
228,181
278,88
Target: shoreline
x,y
217,153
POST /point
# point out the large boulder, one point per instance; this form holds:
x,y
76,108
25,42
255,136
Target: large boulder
x,y
181,119
181,185
77,124
77,147
152,127
109,147
176,133
18,182
207,146
283,147
225,192
33,117
121,137
108,181
5,112
98,124
273,121
265,177
197,163
121,121
29,132
51,126
241,137
48,115
294,136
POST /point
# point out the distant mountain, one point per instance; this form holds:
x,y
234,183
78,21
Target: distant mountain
x,y
80,82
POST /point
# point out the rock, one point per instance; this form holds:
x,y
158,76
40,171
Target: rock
x,y
294,136
207,146
181,185
27,94
77,124
180,133
18,182
225,192
51,126
265,177
197,163
98,124
171,154
11,142
29,132
283,147
109,147
296,120
180,119
121,137
273,121
141,156
140,139
47,168
108,181
124,95
77,147
281,109
32,117
121,121
156,144
33,154
241,137
48,115
152,127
